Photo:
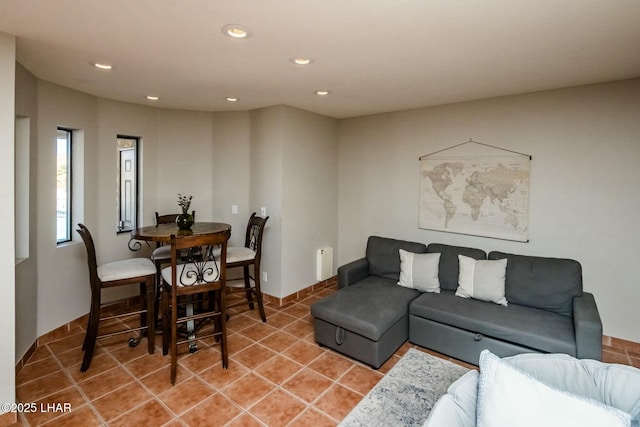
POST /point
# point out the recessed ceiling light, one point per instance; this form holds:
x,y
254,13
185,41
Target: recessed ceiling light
x,y
301,61
231,99
236,31
102,65
152,98
322,92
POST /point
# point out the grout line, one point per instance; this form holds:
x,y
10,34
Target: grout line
x,y
76,386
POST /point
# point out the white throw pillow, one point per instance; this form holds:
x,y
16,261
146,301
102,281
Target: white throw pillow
x,y
419,271
482,279
508,397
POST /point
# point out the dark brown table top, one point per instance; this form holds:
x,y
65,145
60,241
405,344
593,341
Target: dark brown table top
x,y
163,232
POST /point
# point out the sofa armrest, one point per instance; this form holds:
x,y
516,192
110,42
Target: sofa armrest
x,y
588,327
457,408
353,272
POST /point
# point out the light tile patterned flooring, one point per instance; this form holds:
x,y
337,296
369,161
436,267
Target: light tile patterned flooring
x,y
277,376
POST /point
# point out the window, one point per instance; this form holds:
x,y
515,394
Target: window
x,y
127,183
63,185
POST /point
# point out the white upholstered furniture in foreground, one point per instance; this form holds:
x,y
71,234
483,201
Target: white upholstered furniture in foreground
x,y
541,390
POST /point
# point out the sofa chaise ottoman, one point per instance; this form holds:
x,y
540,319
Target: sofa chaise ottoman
x,y
368,317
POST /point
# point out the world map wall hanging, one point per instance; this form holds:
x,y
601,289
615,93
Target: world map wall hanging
x,y
478,189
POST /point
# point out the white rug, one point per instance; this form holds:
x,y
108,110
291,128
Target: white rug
x,y
407,393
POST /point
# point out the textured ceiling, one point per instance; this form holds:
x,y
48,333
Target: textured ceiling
x,y
374,55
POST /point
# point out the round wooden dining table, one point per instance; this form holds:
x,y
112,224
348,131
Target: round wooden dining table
x,y
163,232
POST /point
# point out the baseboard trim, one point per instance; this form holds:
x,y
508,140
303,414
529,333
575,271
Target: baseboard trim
x,y
330,283
620,344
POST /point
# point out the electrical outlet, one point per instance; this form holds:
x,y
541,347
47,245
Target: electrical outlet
x,y
263,211
234,209
264,276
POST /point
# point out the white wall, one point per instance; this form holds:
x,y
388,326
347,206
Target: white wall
x,y
293,175
309,195
120,118
7,194
584,191
63,290
26,271
232,171
266,189
185,162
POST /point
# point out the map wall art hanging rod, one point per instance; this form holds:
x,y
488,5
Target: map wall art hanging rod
x,y
471,141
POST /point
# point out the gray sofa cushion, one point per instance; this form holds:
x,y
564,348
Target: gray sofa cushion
x,y
538,329
448,267
368,308
384,256
546,283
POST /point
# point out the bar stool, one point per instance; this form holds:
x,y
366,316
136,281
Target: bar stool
x,y
131,271
194,270
245,257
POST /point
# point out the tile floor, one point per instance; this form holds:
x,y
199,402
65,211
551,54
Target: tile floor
x,y
277,376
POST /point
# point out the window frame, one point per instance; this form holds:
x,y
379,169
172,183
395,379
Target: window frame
x,y
69,185
136,147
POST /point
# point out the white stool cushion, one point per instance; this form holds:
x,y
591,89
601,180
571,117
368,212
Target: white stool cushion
x,y
126,269
162,252
239,253
188,278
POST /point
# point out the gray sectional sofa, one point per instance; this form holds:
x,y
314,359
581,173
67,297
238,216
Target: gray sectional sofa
x,y
370,316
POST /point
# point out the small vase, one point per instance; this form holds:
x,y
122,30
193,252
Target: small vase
x,y
184,221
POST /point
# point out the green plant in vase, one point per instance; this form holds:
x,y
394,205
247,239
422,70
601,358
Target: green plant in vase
x,y
185,219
